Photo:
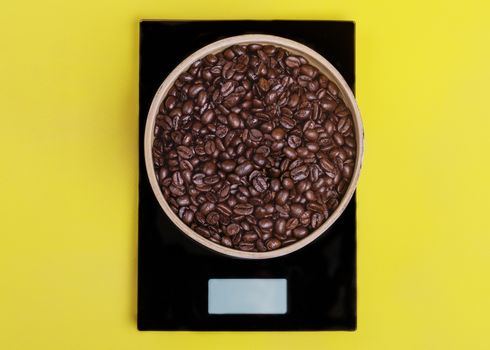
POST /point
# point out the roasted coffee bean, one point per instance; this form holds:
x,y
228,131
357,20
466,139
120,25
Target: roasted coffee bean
x,y
316,220
297,210
234,120
308,70
300,173
224,209
228,165
291,224
300,232
259,159
305,218
287,122
278,134
303,186
311,135
208,117
265,224
185,152
227,88
203,231
260,184
206,208
210,147
280,226
249,237
292,62
212,218
188,216
232,229
290,153
273,244
260,246
243,209
338,138
282,197
226,241
246,246
244,169
294,141
253,147
275,185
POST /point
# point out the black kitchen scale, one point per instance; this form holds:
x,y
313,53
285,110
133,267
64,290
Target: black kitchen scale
x,y
184,286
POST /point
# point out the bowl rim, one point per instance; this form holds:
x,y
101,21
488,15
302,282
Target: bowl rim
x,y
314,59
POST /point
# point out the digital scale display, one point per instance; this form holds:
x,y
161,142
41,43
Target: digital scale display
x,y
247,296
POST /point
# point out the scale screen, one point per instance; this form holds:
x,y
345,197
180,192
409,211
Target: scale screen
x,y
247,296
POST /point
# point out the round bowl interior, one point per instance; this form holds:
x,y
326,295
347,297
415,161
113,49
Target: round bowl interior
x,y
314,59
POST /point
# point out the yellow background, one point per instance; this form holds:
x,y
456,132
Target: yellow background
x,y
68,179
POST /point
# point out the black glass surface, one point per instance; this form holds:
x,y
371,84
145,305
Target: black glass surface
x,y
173,270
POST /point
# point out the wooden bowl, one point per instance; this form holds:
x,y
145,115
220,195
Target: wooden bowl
x,y
314,59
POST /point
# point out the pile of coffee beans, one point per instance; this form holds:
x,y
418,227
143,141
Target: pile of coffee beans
x,y
254,147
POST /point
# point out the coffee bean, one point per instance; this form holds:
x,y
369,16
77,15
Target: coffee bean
x,y
312,147
275,185
260,184
246,246
170,102
234,120
290,153
308,70
347,171
300,232
303,114
208,116
253,147
203,231
255,135
210,147
185,152
303,186
327,165
265,224
188,216
280,226
294,141
212,218
292,62
227,88
209,168
228,165
287,122
303,152
177,179
273,244
305,218
244,169
243,209
292,223
260,246
311,135
211,180
300,173
259,159
224,209
226,241
288,183
316,220
232,229
206,208
187,107
338,138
